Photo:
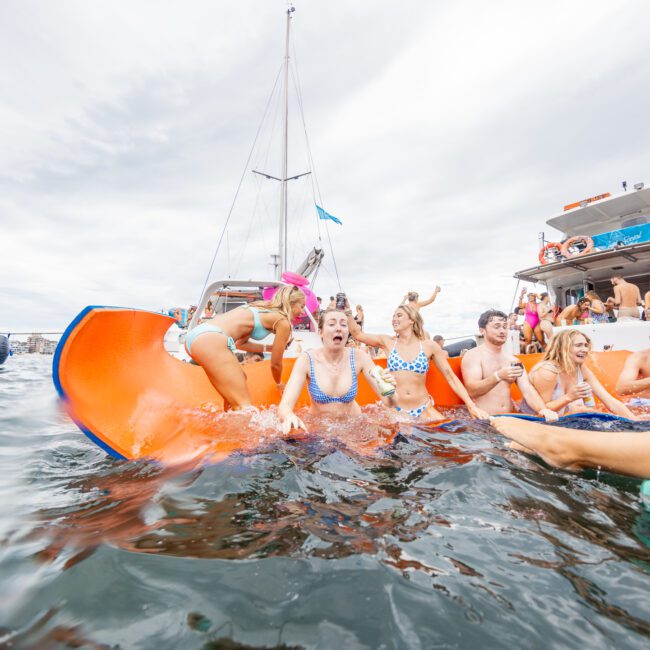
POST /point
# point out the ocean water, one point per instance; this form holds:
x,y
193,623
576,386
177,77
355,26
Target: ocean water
x,y
444,539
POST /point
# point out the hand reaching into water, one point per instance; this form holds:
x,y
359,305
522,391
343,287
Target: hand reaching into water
x,y
549,415
477,412
292,422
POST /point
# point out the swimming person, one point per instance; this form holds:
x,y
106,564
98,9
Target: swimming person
x,y
565,383
625,452
489,370
409,342
331,372
212,344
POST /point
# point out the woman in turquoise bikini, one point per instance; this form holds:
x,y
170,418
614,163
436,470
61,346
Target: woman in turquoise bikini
x,y
409,342
212,344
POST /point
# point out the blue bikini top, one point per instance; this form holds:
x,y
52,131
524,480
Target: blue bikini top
x,y
259,331
322,398
419,365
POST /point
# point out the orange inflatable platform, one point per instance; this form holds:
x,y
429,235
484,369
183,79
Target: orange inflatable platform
x,y
135,400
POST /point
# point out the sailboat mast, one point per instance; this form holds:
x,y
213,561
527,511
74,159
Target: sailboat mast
x,y
282,262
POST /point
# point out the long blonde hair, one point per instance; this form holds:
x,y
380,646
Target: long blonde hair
x,y
282,301
414,315
559,349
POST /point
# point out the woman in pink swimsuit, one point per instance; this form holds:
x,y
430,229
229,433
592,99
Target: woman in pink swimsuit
x,y
531,319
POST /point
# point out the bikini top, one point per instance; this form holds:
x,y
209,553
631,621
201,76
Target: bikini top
x,y
419,365
259,331
319,396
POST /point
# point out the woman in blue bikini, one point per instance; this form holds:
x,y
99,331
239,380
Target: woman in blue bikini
x,y
409,342
212,344
332,374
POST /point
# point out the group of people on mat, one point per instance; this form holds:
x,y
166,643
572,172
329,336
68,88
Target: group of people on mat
x,y
560,383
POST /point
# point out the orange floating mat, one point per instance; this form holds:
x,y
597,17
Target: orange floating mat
x,y
135,400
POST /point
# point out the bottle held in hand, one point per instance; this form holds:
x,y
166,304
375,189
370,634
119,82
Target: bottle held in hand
x,y
385,389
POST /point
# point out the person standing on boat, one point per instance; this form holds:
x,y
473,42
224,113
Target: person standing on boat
x,y
597,311
546,313
331,373
635,378
212,344
359,318
531,326
412,299
627,298
410,342
565,383
489,370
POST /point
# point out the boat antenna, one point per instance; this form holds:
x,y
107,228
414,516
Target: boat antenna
x,y
282,236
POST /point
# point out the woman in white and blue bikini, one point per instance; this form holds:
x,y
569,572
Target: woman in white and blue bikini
x,y
212,344
409,342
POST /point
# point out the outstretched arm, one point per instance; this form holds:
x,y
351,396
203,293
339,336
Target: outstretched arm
x,y
374,340
628,382
288,418
282,334
434,295
534,400
442,363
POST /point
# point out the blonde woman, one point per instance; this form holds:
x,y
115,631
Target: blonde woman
x,y
410,342
565,383
212,344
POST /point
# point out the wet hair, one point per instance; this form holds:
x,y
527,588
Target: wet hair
x,y
282,301
559,349
489,315
592,295
414,315
325,313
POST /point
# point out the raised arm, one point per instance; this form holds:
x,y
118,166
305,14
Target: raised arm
x,y
288,418
442,363
628,382
434,295
374,340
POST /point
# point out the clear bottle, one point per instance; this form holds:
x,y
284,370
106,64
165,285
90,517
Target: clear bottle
x,y
385,388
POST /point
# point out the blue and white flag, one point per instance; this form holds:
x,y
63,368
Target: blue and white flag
x,y
326,215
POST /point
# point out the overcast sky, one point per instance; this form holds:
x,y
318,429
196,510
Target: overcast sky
x,y
443,134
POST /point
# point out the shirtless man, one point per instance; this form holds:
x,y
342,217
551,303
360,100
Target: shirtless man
x,y
627,298
635,378
488,371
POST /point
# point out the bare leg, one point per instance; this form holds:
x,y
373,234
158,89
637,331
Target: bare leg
x,y
539,336
222,368
625,452
528,332
547,329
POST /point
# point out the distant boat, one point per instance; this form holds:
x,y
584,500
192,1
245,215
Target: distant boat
x,y
5,348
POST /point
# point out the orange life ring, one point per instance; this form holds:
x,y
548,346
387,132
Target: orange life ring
x,y
550,253
582,250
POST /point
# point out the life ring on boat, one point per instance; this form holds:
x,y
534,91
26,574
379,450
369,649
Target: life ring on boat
x,y
577,246
550,253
